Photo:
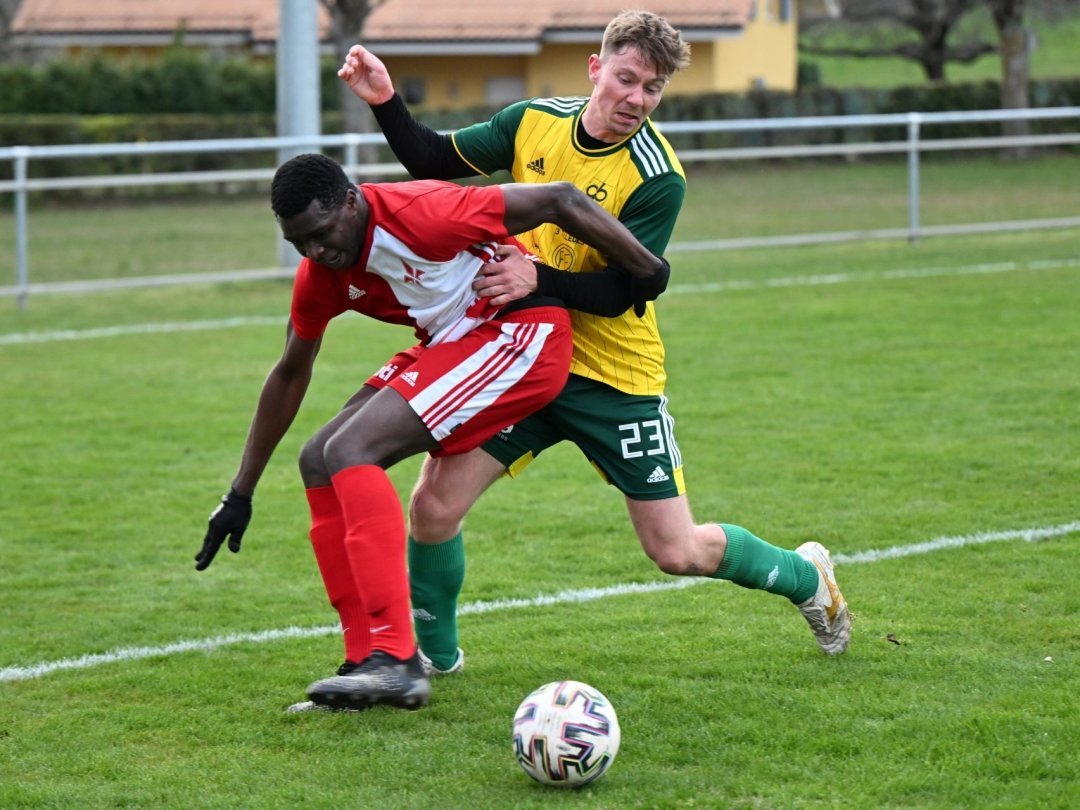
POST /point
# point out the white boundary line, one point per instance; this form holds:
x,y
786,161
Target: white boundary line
x,y
24,673
22,338
19,338
883,275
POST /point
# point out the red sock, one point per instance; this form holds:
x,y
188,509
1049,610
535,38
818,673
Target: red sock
x,y
375,542
328,541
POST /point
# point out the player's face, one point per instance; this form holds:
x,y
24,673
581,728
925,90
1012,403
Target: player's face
x,y
626,89
331,238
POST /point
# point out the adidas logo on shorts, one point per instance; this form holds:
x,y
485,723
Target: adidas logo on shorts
x,y
657,476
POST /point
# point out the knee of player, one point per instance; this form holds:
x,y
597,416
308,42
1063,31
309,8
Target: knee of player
x,y
434,515
311,461
348,448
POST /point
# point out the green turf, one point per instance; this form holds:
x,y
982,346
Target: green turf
x,y
880,410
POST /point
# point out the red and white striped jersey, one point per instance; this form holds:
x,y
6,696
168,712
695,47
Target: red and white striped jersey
x,y
426,241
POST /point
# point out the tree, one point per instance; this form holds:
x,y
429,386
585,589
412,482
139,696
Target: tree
x,y
885,28
7,14
933,21
1013,36
347,18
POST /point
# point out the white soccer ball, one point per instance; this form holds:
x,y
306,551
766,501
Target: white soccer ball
x,y
566,734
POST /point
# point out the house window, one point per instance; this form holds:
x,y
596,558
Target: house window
x,y
414,91
785,10
503,90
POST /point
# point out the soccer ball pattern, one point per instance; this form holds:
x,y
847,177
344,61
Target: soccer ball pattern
x,y
566,734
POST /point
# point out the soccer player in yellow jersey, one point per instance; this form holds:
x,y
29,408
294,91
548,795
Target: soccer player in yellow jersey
x,y
613,408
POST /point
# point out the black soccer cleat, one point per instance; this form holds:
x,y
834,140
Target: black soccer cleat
x,y
309,706
380,680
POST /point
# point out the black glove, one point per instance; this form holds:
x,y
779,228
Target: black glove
x,y
230,519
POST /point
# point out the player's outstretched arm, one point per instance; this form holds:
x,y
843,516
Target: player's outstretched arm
x,y
529,205
607,293
279,402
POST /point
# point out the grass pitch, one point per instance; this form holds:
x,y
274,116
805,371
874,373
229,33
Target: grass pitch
x,y
871,396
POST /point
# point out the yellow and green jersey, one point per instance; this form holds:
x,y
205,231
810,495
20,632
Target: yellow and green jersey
x,y
639,180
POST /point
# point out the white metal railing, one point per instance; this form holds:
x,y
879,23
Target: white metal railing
x,y
913,146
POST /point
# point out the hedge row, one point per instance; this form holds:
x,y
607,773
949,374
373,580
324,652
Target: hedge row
x,y
181,81
187,82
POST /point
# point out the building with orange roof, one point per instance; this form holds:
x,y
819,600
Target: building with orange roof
x,y
445,55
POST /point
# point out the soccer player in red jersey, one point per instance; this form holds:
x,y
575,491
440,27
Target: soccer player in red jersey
x,y
408,253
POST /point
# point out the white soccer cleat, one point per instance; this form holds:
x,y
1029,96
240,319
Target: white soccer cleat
x,y
433,671
826,611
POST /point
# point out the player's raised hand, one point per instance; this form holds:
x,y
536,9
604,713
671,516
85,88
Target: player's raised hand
x,y
366,76
230,520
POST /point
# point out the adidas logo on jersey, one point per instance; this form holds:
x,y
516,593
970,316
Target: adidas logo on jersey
x,y
657,476
410,377
355,292
537,166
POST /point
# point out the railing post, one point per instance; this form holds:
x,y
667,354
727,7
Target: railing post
x,y
914,122
22,268
297,65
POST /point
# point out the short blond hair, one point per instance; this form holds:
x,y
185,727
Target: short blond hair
x,y
652,35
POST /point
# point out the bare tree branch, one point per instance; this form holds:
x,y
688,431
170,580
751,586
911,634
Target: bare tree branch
x,y
918,30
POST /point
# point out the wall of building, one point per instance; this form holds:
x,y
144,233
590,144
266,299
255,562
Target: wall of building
x,y
563,70
449,82
765,56
732,64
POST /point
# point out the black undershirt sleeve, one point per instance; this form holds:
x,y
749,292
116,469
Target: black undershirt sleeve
x,y
609,292
424,153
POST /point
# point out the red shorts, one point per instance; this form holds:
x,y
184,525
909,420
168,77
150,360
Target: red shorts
x,y
469,389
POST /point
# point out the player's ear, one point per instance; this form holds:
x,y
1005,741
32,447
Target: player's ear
x,y
353,203
595,63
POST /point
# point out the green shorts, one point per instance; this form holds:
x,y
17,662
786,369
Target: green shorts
x,y
629,439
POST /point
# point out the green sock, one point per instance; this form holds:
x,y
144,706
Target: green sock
x,y
436,574
752,563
